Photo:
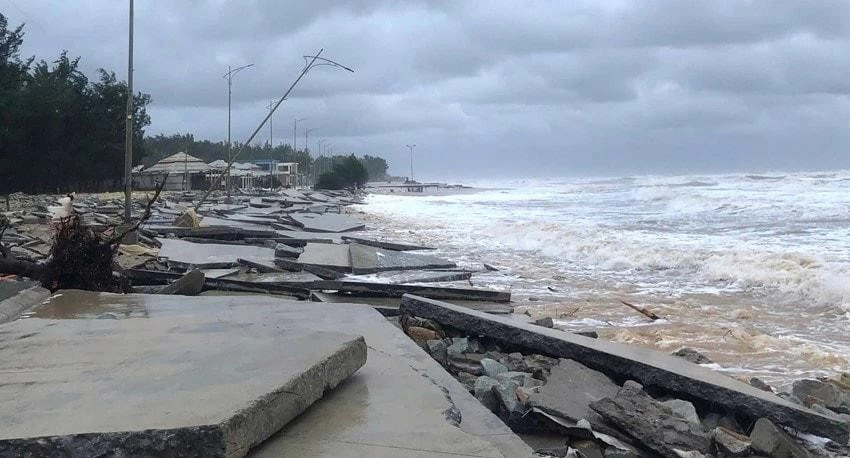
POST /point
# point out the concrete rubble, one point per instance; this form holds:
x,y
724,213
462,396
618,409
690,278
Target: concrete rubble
x,y
450,369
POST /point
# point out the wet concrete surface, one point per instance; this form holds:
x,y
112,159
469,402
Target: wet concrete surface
x,y
367,259
327,222
326,255
215,375
211,255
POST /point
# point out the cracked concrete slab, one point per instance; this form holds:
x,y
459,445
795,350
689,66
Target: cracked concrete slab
x,y
211,255
326,222
207,376
326,255
368,259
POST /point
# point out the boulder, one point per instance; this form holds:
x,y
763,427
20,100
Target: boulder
x,y
475,346
772,441
514,362
493,368
438,349
467,380
812,391
546,322
521,378
684,409
505,392
758,383
730,443
188,219
483,391
421,335
459,346
692,355
651,423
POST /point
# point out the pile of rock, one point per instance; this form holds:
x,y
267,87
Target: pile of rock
x,y
599,417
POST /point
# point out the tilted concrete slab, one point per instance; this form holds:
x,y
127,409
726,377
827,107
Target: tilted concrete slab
x,y
326,255
368,259
414,276
326,222
402,403
316,237
385,303
17,297
299,278
385,244
204,376
393,290
211,255
648,367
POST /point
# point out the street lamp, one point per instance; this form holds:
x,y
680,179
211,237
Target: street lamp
x,y
295,133
310,62
229,75
306,135
410,147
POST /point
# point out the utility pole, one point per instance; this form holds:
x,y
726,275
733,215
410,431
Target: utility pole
x,y
410,147
271,144
306,134
128,135
229,75
295,134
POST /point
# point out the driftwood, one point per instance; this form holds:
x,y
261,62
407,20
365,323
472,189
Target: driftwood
x,y
642,310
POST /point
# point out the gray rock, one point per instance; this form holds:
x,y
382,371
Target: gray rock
x,y
730,443
467,380
713,420
459,346
190,284
651,423
758,383
546,322
493,368
684,409
631,362
438,349
692,355
514,362
483,391
559,452
613,452
587,448
505,391
475,346
816,392
521,378
772,441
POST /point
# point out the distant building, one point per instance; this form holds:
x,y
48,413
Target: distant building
x,y
185,172
286,173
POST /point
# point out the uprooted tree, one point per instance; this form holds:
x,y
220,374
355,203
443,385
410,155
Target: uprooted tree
x,y
79,258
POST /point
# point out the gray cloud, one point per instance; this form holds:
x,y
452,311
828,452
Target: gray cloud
x,y
491,87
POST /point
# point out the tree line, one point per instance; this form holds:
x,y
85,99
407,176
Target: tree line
x,y
59,131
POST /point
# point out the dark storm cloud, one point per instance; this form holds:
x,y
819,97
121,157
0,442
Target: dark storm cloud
x,y
491,87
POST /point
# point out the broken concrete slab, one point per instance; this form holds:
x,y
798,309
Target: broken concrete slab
x,y
378,289
367,259
363,416
211,382
282,250
295,266
329,256
569,390
16,297
302,278
209,255
326,222
190,284
631,362
651,423
389,305
419,276
385,244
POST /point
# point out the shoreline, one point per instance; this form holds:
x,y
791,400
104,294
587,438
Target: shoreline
x,y
461,351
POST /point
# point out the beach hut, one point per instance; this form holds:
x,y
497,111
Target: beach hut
x,y
185,172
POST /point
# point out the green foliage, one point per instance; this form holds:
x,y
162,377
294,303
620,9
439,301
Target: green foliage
x,y
348,172
161,146
58,130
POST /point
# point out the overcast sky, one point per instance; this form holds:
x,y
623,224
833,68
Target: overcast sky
x,y
490,88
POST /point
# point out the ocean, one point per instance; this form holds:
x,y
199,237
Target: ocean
x,y
752,270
